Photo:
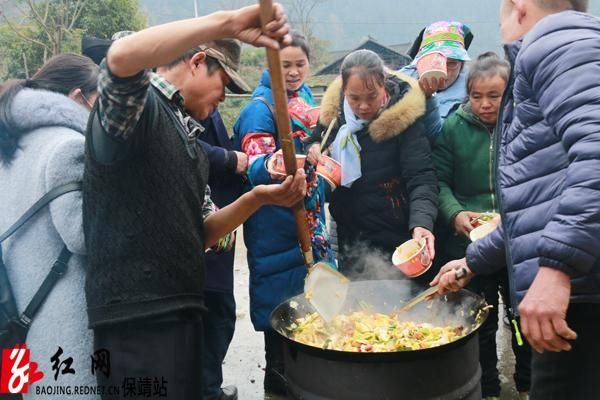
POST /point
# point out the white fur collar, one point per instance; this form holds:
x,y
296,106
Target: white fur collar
x,y
32,109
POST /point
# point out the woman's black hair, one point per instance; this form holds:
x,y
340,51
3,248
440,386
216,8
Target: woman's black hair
x,y
367,64
298,40
487,65
61,74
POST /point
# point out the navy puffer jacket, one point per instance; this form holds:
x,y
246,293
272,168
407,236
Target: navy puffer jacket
x,y
548,165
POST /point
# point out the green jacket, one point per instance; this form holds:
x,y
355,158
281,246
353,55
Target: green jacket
x,y
463,157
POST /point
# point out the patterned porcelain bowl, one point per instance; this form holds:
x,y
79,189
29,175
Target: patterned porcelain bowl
x,y
278,165
432,65
330,170
412,258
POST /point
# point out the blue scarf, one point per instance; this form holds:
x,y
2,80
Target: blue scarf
x,y
346,149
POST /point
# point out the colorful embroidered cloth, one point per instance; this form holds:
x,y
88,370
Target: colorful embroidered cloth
x,y
303,116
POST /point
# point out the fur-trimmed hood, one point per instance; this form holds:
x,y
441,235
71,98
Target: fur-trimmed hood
x,y
392,121
33,109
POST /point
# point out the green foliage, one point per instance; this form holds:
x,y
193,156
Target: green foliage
x,y
253,62
230,109
72,41
253,57
27,43
102,18
19,56
319,52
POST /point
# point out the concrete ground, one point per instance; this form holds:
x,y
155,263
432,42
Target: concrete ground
x,y
244,363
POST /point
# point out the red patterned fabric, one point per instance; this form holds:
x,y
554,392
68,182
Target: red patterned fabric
x,y
257,144
303,114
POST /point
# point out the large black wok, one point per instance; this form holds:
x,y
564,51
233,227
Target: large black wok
x,y
448,372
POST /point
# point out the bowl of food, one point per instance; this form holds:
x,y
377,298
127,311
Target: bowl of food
x,y
330,170
483,218
483,225
276,166
481,231
412,257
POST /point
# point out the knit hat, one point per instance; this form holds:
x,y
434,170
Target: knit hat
x,y
95,48
451,38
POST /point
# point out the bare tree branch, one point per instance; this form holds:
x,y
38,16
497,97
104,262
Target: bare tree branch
x,y
36,14
55,27
301,13
46,11
41,22
79,6
25,66
20,34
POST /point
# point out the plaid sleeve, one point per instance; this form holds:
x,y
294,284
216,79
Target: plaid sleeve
x,y
209,207
121,101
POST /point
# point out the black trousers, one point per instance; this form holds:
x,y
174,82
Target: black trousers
x,y
574,374
273,351
219,326
159,356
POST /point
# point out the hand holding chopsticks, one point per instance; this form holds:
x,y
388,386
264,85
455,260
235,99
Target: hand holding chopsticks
x,y
449,279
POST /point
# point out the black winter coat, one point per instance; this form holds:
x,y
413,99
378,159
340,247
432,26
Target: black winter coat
x,y
398,189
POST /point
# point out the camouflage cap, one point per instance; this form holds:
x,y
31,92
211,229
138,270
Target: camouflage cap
x,y
121,34
228,53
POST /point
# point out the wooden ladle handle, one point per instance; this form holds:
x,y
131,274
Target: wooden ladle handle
x,y
284,128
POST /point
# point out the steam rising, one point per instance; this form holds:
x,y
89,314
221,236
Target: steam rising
x,y
377,286
391,289
369,263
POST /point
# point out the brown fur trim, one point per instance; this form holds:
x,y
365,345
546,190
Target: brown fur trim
x,y
392,121
397,118
330,105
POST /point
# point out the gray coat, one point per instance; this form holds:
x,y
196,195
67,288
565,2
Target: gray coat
x,y
50,154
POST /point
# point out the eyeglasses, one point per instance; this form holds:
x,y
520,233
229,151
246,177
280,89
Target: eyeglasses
x,y
451,64
87,102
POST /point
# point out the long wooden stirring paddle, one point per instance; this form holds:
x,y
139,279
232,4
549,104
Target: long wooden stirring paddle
x,y
284,129
324,287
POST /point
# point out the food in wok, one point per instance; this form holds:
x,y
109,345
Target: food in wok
x,y
296,321
371,332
